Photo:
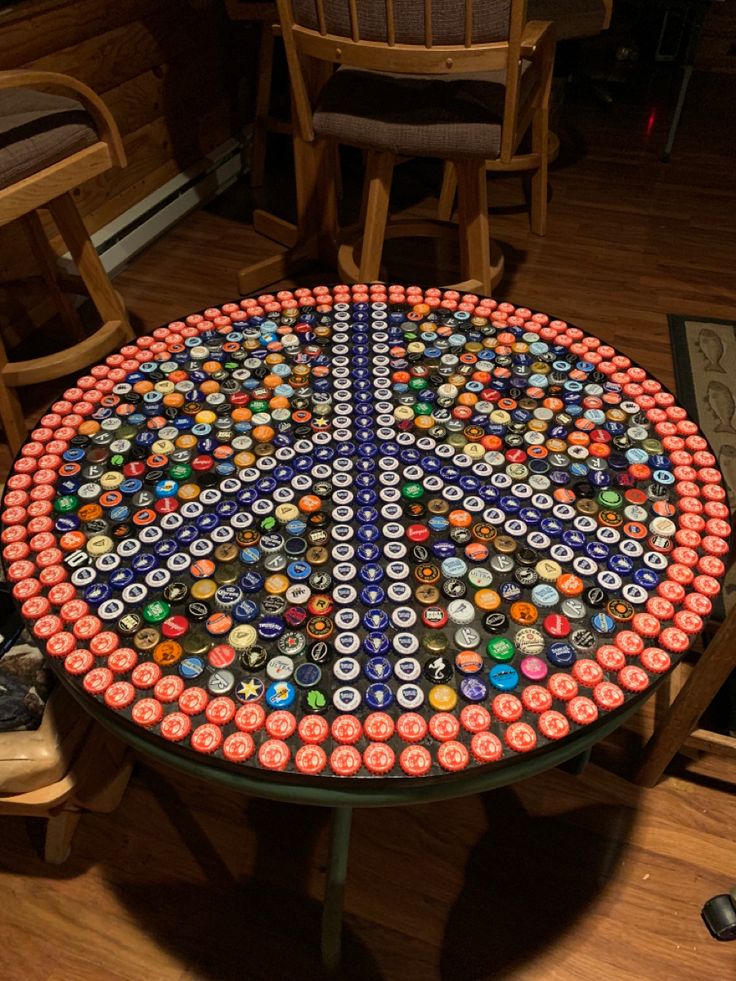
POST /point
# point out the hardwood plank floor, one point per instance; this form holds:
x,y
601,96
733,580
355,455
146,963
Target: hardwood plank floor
x,y
561,877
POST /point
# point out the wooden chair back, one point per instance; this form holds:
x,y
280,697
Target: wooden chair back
x,y
426,37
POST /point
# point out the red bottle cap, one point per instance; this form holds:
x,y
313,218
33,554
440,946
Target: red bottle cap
x,y
608,696
313,729
453,756
146,675
280,724
675,640
655,660
220,710
379,758
562,686
582,710
147,712
274,754
123,660
633,678
553,725
610,658
238,747
346,729
520,737
78,662
444,726
97,680
206,738
250,717
415,761
378,727
536,699
345,761
193,701
587,673
310,759
411,727
507,707
475,718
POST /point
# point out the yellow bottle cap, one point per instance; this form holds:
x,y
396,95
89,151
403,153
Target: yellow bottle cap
x,y
442,698
99,545
242,637
204,589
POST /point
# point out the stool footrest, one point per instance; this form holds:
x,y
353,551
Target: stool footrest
x,y
110,336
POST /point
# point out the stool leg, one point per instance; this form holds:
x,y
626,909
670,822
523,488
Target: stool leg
x,y
60,829
472,204
378,180
540,145
335,886
47,264
447,192
713,668
11,411
106,300
263,100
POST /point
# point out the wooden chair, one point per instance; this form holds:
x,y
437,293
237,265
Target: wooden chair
x,y
571,19
67,766
50,145
266,16
676,730
464,85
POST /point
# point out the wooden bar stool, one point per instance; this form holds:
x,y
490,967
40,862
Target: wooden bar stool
x,y
49,145
464,84
677,729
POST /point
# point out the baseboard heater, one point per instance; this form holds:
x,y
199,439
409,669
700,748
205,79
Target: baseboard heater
x,y
128,234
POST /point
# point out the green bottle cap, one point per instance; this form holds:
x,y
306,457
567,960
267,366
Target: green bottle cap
x,y
66,503
412,492
422,409
500,648
180,471
258,406
156,611
610,499
417,384
315,701
652,446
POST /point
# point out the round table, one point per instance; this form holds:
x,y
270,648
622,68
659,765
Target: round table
x,y
364,545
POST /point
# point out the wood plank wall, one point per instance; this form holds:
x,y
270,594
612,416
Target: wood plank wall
x,y
176,74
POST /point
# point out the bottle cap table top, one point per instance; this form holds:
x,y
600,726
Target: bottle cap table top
x,y
365,532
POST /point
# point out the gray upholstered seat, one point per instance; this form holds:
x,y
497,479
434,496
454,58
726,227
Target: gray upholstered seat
x,y
38,129
447,116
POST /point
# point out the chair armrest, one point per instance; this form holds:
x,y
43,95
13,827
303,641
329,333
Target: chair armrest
x,y
105,123
538,36
608,4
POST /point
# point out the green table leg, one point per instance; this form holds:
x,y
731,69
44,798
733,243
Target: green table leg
x,y
578,763
336,872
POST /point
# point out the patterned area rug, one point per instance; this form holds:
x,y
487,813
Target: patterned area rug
x,y
704,353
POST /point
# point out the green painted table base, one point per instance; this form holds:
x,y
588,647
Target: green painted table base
x,y
337,868
341,796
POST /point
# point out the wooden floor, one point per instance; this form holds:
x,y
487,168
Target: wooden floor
x,y
559,878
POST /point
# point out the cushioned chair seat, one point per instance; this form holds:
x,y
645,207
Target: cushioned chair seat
x,y
447,116
38,129
572,18
31,760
